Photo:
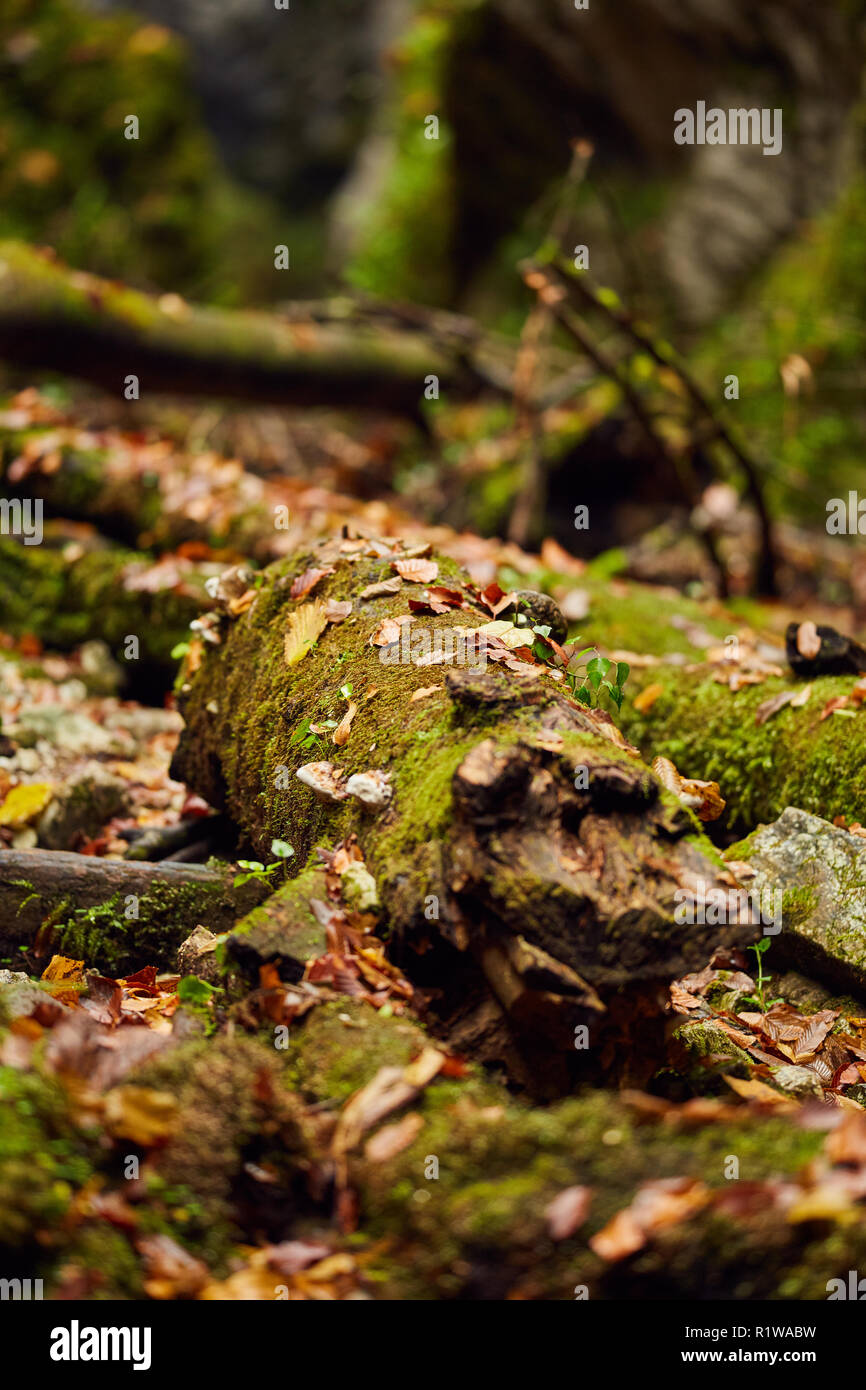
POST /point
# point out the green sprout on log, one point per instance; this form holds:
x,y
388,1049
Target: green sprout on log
x,y
255,870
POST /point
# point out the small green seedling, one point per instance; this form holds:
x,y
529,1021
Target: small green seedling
x,y
599,676
254,869
192,990
760,948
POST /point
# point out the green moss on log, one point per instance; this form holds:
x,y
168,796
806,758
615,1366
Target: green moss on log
x,y
793,759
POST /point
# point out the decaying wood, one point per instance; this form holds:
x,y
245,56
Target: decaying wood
x,y
66,320
566,882
45,894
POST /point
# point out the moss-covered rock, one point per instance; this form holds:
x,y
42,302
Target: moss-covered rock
x,y
818,871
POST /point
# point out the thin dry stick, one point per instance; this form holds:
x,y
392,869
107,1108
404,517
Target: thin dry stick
x,y
540,279
766,576
529,500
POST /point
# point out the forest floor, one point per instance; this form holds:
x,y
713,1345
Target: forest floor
x,y
337,965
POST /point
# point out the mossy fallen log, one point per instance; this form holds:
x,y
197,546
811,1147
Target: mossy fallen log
x,y
795,757
508,823
481,1227
67,596
65,320
113,914
461,1207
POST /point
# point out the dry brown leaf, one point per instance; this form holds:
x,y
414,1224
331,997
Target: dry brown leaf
x,y
554,557
306,582
416,571
656,1205
704,798
390,1089
343,729
387,632
337,610
838,702
383,588
620,1237
798,1036
171,1271
567,1212
767,708
393,1139
305,625
237,606
423,691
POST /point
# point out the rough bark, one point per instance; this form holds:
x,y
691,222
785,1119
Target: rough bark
x,y
517,833
71,321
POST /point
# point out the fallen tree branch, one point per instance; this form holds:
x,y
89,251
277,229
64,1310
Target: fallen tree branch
x,y
55,318
113,913
765,580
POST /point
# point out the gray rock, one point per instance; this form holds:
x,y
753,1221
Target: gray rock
x,y
798,1081
82,806
820,872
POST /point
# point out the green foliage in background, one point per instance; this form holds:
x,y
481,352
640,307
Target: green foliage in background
x,y
158,211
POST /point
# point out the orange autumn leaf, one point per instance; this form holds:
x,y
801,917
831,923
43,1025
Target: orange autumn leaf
x,y
416,571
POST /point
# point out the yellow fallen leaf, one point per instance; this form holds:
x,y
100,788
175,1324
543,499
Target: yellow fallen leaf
x,y
23,804
63,968
141,1114
305,625
752,1089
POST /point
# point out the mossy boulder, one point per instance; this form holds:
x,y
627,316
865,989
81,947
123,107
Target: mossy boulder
x,y
818,871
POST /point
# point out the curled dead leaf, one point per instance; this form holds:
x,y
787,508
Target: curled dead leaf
x,y
386,633
343,729
416,571
383,588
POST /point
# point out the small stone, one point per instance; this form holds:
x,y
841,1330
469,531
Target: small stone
x,y
798,1081
359,888
540,610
